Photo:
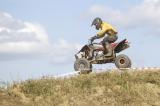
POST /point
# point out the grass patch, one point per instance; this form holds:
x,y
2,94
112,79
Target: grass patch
x,y
104,89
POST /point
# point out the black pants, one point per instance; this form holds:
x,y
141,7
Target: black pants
x,y
110,39
107,40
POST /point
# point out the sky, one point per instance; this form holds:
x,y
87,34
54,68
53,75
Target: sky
x,y
40,37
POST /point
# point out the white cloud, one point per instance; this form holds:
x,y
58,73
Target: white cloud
x,y
138,21
21,39
146,14
64,51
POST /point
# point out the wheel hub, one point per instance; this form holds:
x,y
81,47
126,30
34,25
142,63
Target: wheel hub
x,y
82,66
122,61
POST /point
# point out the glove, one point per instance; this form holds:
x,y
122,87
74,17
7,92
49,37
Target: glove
x,y
93,38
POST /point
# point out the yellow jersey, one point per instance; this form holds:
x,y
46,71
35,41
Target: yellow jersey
x,y
106,29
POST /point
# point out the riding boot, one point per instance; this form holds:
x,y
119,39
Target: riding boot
x,y
108,50
105,51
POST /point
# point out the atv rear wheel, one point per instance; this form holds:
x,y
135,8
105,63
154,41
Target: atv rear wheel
x,y
123,61
83,65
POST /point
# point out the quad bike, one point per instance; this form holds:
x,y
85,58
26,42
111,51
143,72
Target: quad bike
x,y
92,53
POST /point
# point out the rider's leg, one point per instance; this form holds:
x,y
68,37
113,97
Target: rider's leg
x,y
109,49
106,44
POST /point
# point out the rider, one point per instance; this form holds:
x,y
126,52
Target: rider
x,y
104,28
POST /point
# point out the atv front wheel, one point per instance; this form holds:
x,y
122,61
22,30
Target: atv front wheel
x,y
83,65
123,61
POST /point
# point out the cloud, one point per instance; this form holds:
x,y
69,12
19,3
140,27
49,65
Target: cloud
x,y
138,21
22,39
144,15
63,51
18,37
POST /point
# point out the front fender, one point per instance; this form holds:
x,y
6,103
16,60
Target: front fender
x,y
84,48
84,52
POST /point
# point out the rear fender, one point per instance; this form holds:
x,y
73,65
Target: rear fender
x,y
121,46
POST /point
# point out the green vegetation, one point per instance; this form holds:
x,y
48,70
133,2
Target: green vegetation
x,y
139,88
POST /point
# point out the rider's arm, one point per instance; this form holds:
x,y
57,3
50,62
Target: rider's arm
x,y
101,33
106,29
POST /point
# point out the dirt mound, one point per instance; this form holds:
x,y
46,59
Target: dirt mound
x,y
110,88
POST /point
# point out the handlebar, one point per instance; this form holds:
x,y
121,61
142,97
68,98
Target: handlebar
x,y
91,43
